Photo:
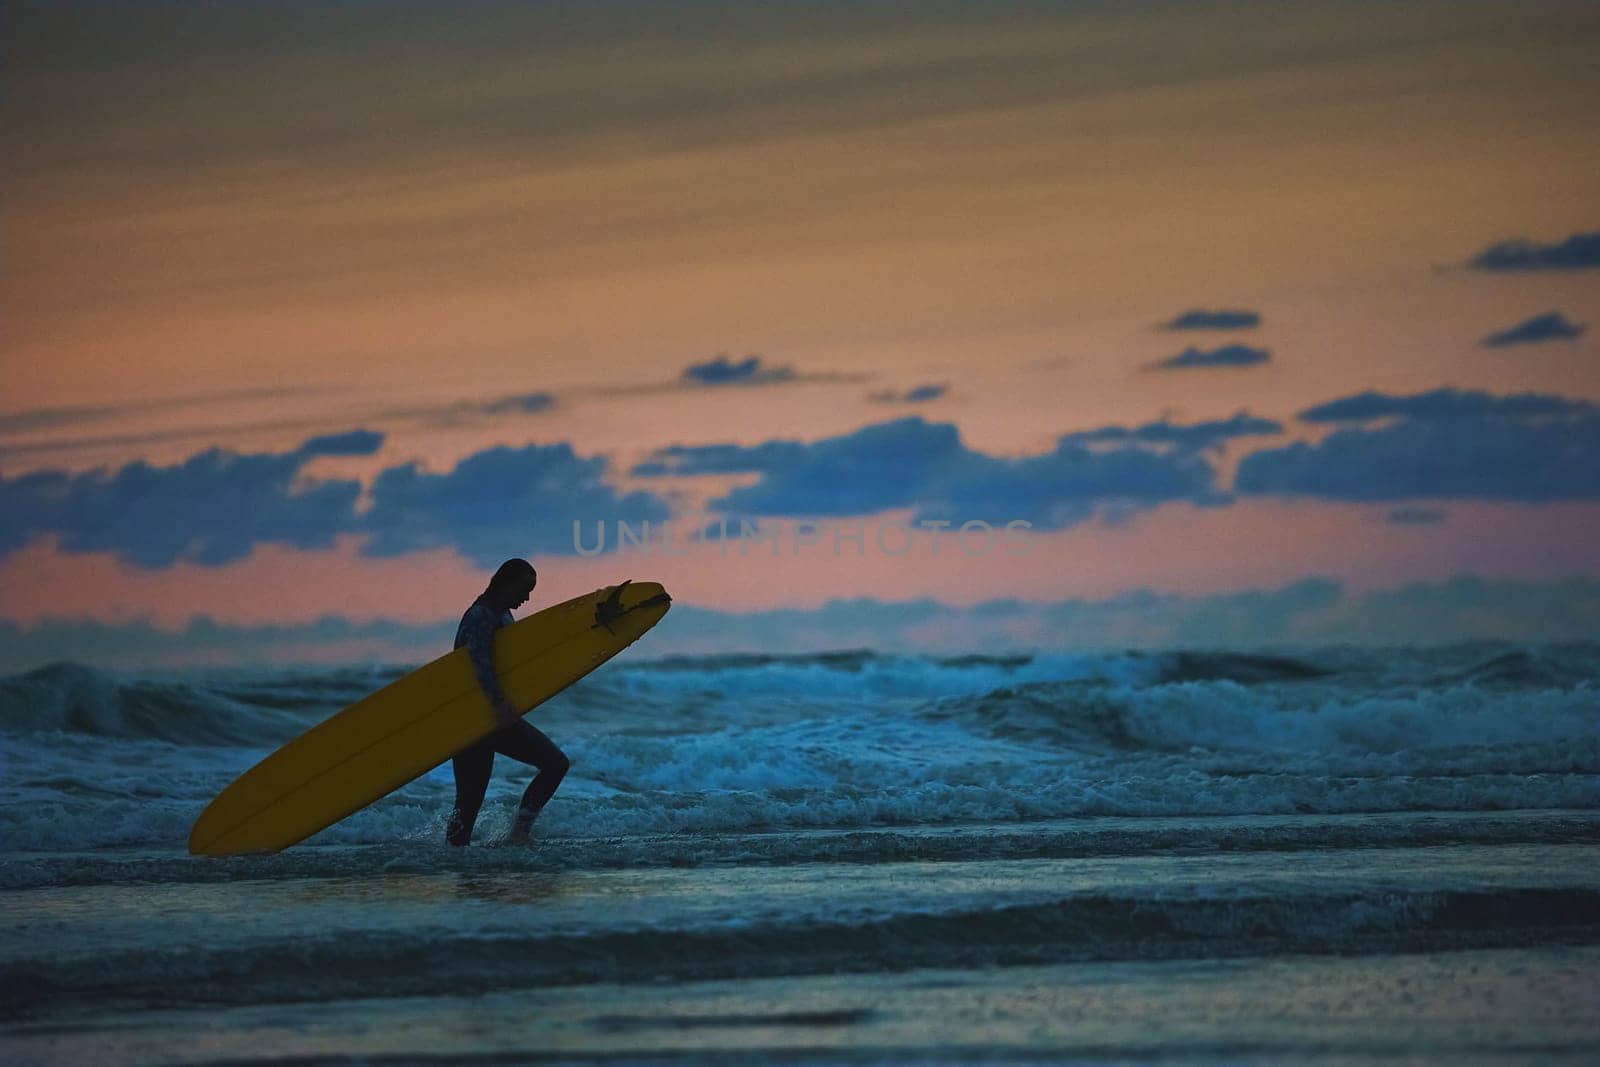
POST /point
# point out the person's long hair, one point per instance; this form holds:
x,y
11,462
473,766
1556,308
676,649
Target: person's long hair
x,y
513,572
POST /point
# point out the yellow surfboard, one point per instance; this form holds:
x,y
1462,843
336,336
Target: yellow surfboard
x,y
410,726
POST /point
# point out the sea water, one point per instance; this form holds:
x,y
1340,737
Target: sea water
x,y
1321,855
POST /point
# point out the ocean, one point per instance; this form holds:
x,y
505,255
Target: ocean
x,y
1310,856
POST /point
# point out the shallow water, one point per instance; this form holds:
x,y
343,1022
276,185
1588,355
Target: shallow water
x,y
1341,855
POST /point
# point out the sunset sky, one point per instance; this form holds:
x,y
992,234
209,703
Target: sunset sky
x,y
1272,321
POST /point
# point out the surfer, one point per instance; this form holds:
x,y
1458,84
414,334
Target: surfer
x,y
509,588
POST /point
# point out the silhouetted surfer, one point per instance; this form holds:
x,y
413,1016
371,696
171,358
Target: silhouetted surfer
x,y
509,588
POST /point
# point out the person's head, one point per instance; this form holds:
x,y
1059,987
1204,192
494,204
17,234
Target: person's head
x,y
511,584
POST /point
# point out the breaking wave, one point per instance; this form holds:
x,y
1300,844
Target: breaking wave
x,y
858,739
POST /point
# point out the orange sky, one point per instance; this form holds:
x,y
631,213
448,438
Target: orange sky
x,y
243,227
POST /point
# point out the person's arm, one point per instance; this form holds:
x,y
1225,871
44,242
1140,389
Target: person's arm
x,y
478,639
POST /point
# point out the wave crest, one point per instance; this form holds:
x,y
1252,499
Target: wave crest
x,y
72,698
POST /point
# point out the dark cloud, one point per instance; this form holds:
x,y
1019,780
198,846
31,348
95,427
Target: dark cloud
x,y
918,457
1224,356
919,394
880,466
910,463
1415,516
1581,251
1222,319
1135,619
1444,445
452,413
724,371
1551,326
1067,486
1199,435
1444,404
35,419
215,507
720,458
1468,607
522,403
352,443
465,412
1309,612
211,509
497,503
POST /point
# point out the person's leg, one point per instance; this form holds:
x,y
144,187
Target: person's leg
x,y
527,743
472,766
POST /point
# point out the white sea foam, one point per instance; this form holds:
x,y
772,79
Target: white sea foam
x,y
747,743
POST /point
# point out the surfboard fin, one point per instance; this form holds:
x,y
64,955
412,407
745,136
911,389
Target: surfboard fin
x,y
610,609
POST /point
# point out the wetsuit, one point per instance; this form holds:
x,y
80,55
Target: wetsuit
x,y
520,740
